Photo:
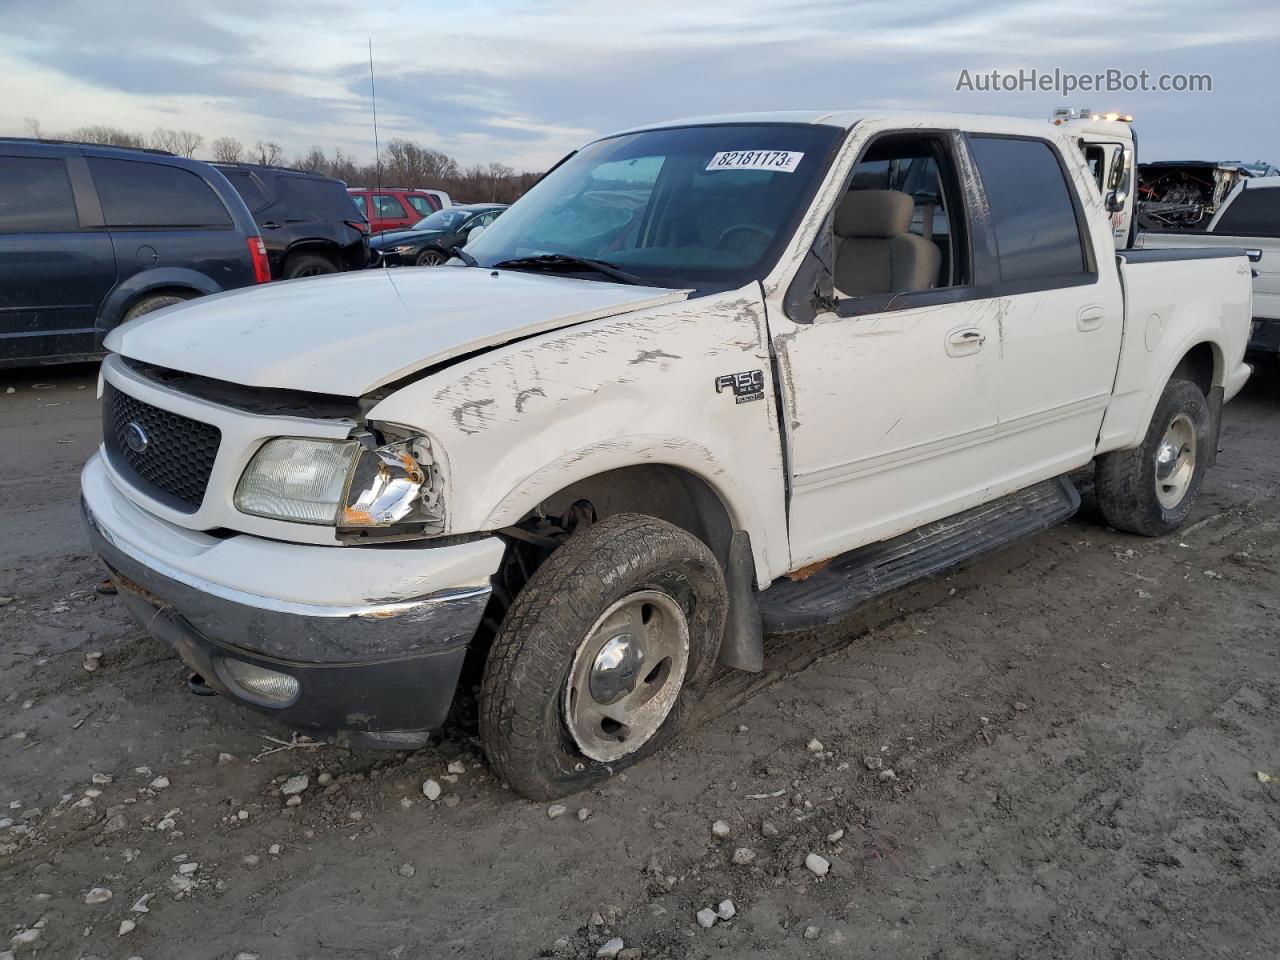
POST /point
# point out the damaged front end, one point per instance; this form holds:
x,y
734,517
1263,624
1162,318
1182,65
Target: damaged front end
x,y
1184,195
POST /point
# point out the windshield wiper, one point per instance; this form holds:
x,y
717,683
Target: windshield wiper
x,y
567,261
457,251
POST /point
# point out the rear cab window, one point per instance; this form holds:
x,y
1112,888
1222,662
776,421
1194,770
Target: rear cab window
x,y
250,190
35,196
422,204
1037,223
362,203
142,194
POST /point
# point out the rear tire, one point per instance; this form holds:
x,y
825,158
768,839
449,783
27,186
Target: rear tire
x,y
559,647
1151,489
154,302
308,265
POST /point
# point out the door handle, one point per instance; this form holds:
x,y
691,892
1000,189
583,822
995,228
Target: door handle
x,y
1090,318
962,343
271,225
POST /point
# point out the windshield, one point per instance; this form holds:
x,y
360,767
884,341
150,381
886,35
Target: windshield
x,y
443,220
702,207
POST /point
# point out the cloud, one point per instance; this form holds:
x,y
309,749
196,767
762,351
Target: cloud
x,y
524,81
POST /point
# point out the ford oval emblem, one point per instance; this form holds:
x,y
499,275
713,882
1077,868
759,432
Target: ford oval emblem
x,y
135,438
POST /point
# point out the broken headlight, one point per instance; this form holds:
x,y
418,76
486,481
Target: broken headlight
x,y
355,485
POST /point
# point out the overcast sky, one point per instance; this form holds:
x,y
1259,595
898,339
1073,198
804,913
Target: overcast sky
x,y
524,81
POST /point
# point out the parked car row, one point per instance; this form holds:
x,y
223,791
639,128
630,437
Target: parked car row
x,y
91,236
432,240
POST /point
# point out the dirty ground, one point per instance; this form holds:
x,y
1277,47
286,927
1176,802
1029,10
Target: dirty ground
x,y
1074,728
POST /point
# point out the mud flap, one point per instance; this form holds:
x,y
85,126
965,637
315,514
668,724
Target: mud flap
x,y
1216,403
742,646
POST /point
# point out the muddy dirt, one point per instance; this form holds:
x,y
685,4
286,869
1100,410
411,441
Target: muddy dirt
x,y
1074,730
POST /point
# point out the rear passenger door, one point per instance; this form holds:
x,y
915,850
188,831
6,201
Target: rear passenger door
x,y
390,214
56,262
1252,219
164,217
1059,307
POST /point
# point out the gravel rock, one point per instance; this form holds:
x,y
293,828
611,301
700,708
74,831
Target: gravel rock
x,y
274,849
431,790
126,926
584,814
295,785
114,824
743,855
324,779
186,869
102,779
707,917
726,910
29,935
159,783
817,864
294,801
457,766
884,776
812,933
557,810
835,836
1020,706
97,895
872,763
610,948
768,829
407,870
141,905
720,828
226,758
814,746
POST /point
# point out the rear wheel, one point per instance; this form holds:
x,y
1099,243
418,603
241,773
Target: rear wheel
x,y
153,302
429,258
1151,489
308,265
594,663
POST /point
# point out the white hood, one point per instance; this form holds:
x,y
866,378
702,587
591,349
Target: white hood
x,y
349,333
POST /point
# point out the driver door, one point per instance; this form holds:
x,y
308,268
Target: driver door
x,y
888,393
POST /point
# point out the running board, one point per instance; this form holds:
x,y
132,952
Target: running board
x,y
853,578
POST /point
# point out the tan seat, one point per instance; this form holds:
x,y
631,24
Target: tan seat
x,y
877,251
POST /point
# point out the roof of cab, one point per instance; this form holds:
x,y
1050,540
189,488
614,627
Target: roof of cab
x,y
847,118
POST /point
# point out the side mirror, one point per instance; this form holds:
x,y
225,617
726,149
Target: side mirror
x,y
1118,167
1116,200
473,233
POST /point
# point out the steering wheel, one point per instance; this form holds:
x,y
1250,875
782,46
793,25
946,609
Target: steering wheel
x,y
744,228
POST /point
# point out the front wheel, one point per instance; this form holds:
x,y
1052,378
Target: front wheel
x,y
593,665
1151,489
430,258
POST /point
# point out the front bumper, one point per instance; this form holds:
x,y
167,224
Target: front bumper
x,y
378,672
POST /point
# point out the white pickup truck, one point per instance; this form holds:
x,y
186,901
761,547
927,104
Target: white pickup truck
x,y
707,380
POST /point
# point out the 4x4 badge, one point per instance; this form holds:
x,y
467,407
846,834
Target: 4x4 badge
x,y
746,386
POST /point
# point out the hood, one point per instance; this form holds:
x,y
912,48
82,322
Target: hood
x,y
394,237
349,333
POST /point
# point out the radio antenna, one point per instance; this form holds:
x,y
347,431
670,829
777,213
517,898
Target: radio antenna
x,y
377,153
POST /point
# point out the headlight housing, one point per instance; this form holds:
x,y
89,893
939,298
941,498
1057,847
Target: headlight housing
x,y
404,248
357,485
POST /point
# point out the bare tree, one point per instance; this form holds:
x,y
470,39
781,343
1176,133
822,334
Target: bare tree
x,y
268,153
108,135
227,150
410,164
184,143
33,127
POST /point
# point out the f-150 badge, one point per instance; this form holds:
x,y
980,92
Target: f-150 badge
x,y
746,386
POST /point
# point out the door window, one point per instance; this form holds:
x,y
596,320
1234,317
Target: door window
x,y
1034,218
247,186
421,204
361,202
1253,213
388,207
141,194
35,196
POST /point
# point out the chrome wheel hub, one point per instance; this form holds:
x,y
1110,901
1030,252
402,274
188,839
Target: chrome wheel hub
x,y
1176,461
626,675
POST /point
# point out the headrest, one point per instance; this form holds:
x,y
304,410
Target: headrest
x,y
874,213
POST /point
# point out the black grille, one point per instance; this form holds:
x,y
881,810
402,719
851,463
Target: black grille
x,y
174,463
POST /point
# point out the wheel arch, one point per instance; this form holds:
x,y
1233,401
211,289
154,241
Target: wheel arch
x,y
169,280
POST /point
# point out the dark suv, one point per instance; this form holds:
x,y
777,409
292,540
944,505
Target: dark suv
x,y
92,236
308,222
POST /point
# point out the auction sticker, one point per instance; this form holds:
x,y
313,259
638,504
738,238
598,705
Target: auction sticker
x,y
783,161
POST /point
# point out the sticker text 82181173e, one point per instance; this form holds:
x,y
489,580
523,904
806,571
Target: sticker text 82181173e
x,y
781,161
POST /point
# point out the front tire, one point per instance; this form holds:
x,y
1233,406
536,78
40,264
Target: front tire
x,y
429,258
153,302
594,663
1151,489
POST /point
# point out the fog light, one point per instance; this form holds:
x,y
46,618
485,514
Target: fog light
x,y
273,688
